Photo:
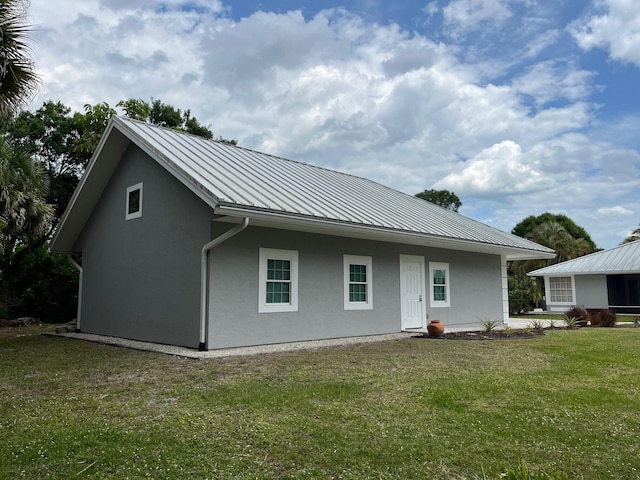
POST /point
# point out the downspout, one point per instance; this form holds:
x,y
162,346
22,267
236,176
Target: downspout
x,y
204,278
79,268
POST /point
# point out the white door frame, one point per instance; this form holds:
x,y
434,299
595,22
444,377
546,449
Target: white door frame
x,y
404,321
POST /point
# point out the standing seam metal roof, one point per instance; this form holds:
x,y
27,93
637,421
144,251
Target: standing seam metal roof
x,y
624,258
243,178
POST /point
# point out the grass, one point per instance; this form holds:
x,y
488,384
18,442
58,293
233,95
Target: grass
x,y
565,405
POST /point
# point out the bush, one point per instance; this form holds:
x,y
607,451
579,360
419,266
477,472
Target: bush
x,y
579,313
607,318
43,285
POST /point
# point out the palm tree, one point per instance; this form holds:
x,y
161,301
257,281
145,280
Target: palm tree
x,y
18,80
24,215
23,187
635,235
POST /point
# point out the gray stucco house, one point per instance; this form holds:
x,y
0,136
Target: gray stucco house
x,y
192,242
609,279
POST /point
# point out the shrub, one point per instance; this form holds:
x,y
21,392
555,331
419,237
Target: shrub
x,y
537,325
489,325
579,313
508,331
594,317
607,318
572,322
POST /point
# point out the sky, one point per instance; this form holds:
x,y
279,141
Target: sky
x,y
517,106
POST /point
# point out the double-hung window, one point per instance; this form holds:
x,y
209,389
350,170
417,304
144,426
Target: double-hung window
x,y
278,273
358,276
439,284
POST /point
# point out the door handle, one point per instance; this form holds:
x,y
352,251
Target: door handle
x,y
419,298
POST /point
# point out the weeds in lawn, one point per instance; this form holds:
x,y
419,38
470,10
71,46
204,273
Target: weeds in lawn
x,y
522,472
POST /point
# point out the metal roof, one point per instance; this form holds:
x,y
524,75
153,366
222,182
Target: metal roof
x,y
241,182
622,259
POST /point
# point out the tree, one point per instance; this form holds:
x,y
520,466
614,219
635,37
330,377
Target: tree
x,y
635,235
51,135
159,113
444,198
558,232
525,227
24,214
18,80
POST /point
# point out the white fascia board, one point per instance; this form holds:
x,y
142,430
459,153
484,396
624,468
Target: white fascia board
x,y
343,229
89,189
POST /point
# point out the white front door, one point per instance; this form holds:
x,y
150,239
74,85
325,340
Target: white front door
x,y
412,294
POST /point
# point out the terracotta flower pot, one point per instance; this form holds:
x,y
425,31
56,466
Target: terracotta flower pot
x,y
435,328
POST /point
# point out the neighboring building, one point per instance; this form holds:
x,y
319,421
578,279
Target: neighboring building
x,y
606,279
192,242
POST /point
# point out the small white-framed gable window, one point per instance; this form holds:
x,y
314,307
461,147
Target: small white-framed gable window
x,y
134,201
358,282
278,274
439,284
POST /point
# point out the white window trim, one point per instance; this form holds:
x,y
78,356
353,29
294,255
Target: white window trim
x,y
138,214
358,260
440,303
276,254
547,289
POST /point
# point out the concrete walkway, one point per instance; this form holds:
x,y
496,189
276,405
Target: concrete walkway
x,y
230,352
274,348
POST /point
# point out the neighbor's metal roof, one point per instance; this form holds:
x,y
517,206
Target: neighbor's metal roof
x,y
624,258
235,179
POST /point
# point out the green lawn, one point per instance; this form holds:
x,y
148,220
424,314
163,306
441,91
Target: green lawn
x,y
567,404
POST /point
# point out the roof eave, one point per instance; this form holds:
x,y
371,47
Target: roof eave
x,y
97,174
284,220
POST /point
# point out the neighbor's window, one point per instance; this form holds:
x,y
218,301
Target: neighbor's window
x,y
560,289
134,201
439,284
358,292
278,273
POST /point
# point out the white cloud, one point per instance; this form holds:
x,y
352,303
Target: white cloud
x,y
499,168
463,16
616,210
616,29
553,80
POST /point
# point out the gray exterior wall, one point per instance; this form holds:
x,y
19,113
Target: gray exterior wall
x,y
233,313
142,276
591,291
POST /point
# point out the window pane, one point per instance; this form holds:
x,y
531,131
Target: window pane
x,y
439,293
358,273
357,292
278,292
134,201
278,269
439,277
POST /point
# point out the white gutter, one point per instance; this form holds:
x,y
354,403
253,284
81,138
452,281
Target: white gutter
x,y
204,278
79,268
334,227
